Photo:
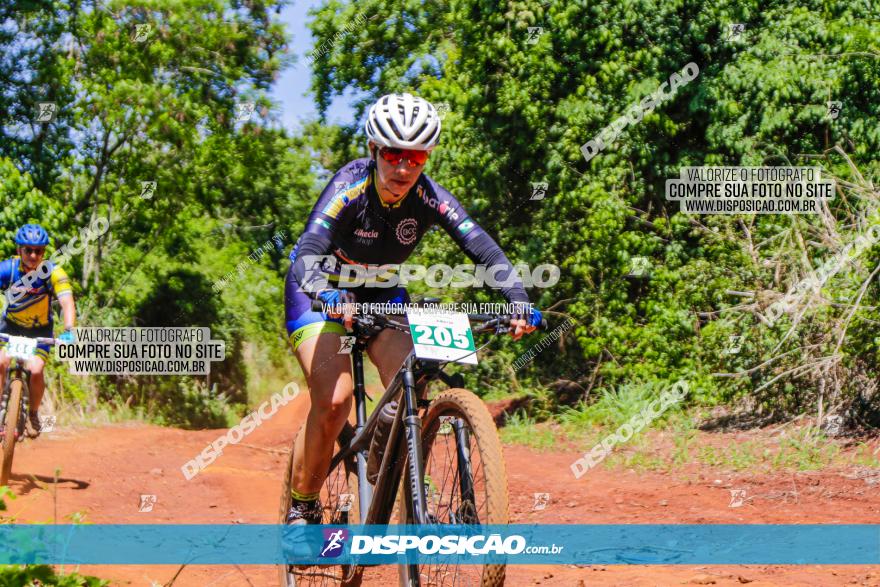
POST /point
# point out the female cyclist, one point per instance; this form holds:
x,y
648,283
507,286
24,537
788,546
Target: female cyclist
x,y
373,212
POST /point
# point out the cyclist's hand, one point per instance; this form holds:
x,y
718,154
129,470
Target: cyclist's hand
x,y
337,299
524,322
66,337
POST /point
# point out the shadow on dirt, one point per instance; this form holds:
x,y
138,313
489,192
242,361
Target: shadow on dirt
x,y
740,421
30,482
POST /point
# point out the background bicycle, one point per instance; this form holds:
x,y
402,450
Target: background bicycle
x,y
15,397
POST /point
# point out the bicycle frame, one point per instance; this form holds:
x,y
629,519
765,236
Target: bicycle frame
x,y
17,370
404,443
410,381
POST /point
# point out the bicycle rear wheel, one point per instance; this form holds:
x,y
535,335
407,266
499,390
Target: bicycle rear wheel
x,y
465,482
13,423
339,500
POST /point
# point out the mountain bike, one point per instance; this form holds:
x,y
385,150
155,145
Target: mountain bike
x,y
15,397
446,450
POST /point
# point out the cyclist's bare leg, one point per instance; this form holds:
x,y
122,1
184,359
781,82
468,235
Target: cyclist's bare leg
x,y
38,383
328,375
387,352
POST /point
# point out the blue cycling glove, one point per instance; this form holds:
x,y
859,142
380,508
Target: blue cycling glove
x,y
536,318
531,314
332,297
66,337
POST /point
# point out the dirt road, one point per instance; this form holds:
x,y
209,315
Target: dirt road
x,y
104,471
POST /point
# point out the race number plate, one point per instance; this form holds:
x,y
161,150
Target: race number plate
x,y
442,336
21,347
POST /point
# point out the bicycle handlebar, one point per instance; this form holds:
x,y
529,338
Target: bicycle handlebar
x,y
39,339
489,321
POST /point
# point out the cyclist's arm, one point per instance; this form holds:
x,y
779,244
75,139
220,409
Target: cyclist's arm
x,y
480,247
317,237
64,293
6,272
305,264
68,311
6,268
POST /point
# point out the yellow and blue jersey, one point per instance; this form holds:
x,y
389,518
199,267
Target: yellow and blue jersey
x,y
29,306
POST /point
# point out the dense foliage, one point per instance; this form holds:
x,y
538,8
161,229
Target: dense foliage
x,y
150,93
522,100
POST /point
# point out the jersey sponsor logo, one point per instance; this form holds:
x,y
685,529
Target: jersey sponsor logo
x,y
407,230
344,194
370,234
444,207
465,227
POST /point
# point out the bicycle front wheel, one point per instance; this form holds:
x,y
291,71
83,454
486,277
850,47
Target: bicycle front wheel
x,y
13,423
465,482
339,500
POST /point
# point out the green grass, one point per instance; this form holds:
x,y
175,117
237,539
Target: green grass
x,y
521,429
864,456
802,449
45,575
640,460
738,456
613,408
501,394
805,450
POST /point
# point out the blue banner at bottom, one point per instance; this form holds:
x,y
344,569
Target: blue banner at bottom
x,y
620,544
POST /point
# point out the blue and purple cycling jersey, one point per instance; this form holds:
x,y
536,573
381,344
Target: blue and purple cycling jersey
x,y
351,223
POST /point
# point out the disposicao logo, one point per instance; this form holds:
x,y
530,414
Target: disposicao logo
x,y
449,544
333,543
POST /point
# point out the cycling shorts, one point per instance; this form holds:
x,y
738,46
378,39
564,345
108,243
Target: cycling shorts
x,y
12,329
304,323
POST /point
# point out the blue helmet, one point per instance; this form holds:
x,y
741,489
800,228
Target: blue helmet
x,y
33,235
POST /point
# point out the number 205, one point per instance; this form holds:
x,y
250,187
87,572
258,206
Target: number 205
x,y
440,335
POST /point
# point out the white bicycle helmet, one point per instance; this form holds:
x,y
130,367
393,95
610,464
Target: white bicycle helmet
x,y
403,121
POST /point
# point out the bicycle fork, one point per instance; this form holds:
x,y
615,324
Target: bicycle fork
x,y
409,574
413,428
467,513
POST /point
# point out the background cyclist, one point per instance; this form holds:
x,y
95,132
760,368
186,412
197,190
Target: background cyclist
x,y
28,310
373,211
